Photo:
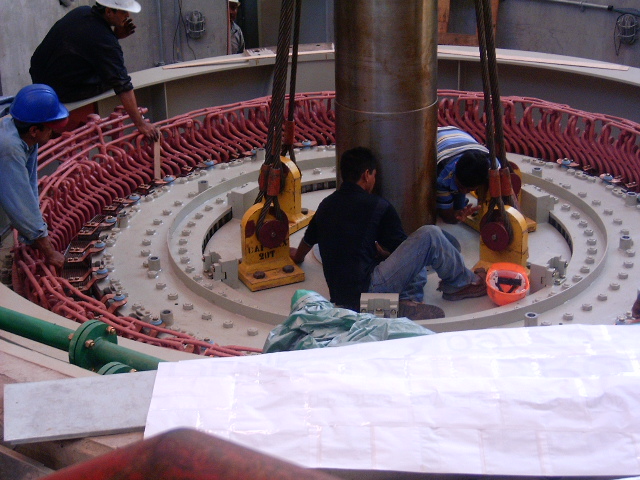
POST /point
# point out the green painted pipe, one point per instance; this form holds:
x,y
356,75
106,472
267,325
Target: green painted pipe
x,y
104,352
98,354
35,329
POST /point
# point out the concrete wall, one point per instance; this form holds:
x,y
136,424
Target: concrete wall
x,y
534,25
543,26
26,22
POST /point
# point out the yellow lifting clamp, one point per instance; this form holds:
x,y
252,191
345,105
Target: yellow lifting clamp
x,y
494,240
265,251
500,242
516,182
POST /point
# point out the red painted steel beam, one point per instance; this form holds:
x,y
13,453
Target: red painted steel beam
x,y
186,454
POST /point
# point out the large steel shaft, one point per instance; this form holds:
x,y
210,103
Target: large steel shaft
x,y
386,96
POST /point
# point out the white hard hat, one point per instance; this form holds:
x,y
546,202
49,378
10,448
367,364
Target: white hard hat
x,y
234,1
128,5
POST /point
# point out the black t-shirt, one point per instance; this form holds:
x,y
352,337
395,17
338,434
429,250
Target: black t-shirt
x,y
80,57
346,226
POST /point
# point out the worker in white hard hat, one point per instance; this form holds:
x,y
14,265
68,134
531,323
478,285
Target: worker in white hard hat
x,y
34,114
236,38
81,56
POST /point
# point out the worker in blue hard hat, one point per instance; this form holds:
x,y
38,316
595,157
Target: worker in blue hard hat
x,y
34,114
81,57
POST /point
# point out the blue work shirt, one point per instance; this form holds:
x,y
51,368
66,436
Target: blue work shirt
x,y
347,225
19,183
452,143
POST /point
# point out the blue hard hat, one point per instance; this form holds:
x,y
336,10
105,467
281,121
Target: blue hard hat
x,y
37,103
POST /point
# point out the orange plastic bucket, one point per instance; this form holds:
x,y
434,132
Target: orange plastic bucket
x,y
507,282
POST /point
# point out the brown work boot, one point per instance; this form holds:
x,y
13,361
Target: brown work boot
x,y
477,288
419,311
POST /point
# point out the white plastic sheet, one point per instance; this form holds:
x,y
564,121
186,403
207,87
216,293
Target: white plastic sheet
x,y
532,401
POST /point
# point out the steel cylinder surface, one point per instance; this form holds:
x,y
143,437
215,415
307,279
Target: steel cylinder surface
x,y
386,96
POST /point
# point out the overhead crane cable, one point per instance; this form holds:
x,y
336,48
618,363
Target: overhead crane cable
x,y
498,114
486,84
289,137
493,113
271,173
494,84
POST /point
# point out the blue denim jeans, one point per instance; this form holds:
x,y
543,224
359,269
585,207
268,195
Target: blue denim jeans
x,y
404,271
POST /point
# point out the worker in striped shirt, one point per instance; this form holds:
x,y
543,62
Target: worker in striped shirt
x,y
462,167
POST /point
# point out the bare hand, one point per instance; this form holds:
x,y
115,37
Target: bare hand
x,y
382,253
149,131
123,31
468,210
55,259
293,253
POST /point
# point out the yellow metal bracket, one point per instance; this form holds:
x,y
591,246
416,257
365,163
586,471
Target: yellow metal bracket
x,y
517,251
474,221
265,254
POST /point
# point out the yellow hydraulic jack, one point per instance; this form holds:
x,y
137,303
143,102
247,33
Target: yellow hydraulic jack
x,y
265,233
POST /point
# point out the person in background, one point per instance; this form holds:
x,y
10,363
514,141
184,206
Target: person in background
x,y
34,114
236,38
462,167
365,249
81,57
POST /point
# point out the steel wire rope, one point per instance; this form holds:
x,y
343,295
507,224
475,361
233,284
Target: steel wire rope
x,y
287,148
496,100
276,118
485,41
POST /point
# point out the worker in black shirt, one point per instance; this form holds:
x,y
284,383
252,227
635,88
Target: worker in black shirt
x,y
364,248
81,57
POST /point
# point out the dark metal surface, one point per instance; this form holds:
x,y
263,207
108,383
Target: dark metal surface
x,y
386,97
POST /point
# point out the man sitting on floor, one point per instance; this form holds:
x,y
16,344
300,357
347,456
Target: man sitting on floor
x,y
364,248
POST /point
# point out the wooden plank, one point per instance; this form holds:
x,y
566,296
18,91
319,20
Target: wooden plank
x,y
222,61
20,467
451,38
550,61
443,16
77,407
157,161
